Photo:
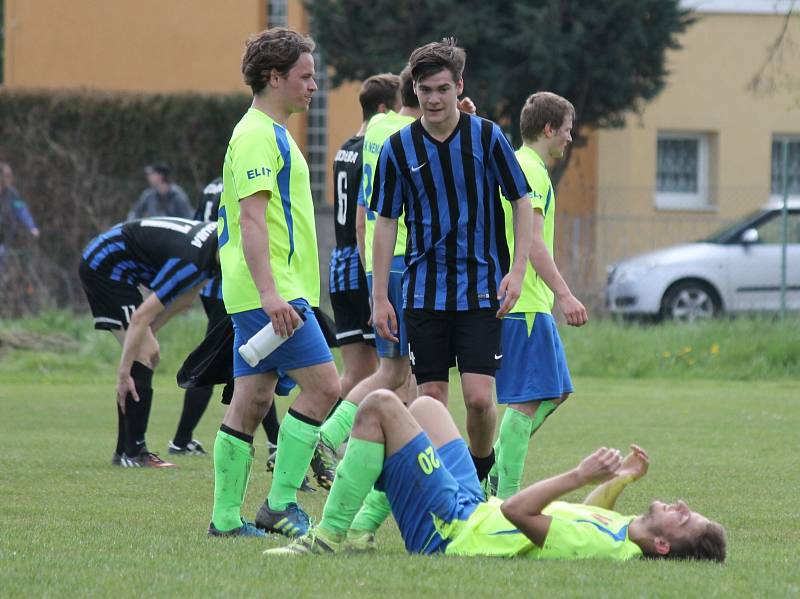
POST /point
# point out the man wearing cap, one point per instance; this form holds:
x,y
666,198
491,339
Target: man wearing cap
x,y
162,198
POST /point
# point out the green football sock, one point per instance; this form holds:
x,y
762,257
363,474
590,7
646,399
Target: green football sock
x,y
546,407
232,460
296,443
373,513
335,430
515,433
358,471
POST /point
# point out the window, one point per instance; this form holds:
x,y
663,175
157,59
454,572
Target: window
x,y
682,171
277,13
317,147
792,144
771,231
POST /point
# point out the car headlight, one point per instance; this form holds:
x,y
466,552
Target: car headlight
x,y
631,272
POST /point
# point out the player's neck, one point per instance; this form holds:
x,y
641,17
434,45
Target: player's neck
x,y
362,130
540,147
408,111
272,107
441,131
639,533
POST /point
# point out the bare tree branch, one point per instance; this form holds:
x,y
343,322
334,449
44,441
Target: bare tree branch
x,y
765,81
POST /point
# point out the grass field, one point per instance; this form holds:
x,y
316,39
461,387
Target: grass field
x,y
72,525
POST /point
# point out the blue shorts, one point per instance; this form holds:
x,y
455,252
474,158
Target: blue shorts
x,y
534,366
428,489
305,347
387,349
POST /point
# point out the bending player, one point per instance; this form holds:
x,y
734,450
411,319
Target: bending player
x,y
418,457
173,257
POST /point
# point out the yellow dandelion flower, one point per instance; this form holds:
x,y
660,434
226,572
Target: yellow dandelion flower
x,y
667,354
714,349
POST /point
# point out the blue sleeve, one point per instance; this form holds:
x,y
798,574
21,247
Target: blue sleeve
x,y
506,168
175,278
388,183
23,214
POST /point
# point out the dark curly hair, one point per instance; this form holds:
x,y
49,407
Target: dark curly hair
x,y
276,48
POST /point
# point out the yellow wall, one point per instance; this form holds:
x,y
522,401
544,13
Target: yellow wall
x,y
131,45
706,92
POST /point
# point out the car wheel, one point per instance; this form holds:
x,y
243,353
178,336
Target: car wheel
x,y
690,301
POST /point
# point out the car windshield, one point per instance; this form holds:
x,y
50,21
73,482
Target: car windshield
x,y
730,231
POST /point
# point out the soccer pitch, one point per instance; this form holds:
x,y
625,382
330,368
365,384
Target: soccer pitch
x,y
73,525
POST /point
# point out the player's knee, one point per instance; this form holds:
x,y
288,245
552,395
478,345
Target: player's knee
x,y
394,373
479,403
380,401
426,405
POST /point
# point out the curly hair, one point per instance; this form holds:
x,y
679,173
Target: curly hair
x,y
276,48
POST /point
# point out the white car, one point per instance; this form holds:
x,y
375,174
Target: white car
x,y
736,270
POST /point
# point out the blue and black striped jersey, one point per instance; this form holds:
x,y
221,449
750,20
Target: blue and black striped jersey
x,y
165,254
456,250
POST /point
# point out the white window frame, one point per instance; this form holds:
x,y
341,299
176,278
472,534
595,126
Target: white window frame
x,y
779,137
699,200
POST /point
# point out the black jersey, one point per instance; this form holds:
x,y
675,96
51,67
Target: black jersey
x,y
165,254
346,181
208,210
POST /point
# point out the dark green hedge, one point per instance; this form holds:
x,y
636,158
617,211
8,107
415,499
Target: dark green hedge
x,y
78,156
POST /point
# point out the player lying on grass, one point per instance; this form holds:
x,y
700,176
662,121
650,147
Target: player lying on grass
x,y
418,457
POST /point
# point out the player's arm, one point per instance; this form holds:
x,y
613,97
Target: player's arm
x,y
361,233
633,467
546,268
139,324
180,304
524,510
384,318
255,246
511,285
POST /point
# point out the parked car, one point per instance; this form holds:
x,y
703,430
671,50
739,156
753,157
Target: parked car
x,y
735,270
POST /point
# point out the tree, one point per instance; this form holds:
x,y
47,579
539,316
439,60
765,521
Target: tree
x,y
608,58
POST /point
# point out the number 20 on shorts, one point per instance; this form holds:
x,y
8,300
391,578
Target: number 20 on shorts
x,y
427,460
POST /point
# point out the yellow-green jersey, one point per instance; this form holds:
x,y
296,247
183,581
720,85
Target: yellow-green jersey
x,y
379,129
536,296
262,156
577,531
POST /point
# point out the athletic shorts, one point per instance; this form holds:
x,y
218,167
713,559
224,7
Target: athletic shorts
x,y
428,489
112,302
306,347
387,349
440,339
351,313
534,364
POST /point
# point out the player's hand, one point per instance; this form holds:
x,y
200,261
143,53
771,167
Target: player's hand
x,y
384,320
635,464
281,313
466,104
599,466
574,311
508,293
125,385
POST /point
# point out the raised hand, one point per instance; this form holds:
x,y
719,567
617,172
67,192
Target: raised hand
x,y
635,464
599,466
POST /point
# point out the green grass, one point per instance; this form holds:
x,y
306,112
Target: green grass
x,y
72,525
747,349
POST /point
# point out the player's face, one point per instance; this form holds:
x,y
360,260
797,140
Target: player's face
x,y
675,520
561,138
299,86
438,96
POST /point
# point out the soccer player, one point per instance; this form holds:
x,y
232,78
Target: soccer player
x,y
443,172
534,378
419,458
348,283
270,270
172,257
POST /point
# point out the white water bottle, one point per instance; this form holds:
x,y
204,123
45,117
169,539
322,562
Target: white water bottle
x,y
266,341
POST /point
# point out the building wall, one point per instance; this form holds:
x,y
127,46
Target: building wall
x,y
707,91
129,45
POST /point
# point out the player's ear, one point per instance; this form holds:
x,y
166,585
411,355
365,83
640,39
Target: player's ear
x,y
661,545
460,86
